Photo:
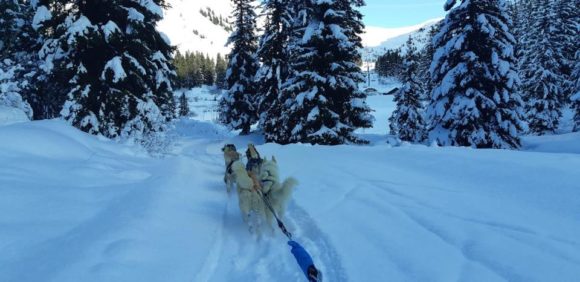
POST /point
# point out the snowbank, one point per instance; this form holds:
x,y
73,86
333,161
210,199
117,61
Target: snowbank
x,y
9,115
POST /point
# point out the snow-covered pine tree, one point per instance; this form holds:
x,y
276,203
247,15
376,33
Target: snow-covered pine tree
x,y
323,104
113,64
53,86
10,88
273,54
183,106
425,59
542,73
474,103
18,61
279,129
407,121
8,25
357,111
221,67
239,105
576,96
567,16
155,46
208,70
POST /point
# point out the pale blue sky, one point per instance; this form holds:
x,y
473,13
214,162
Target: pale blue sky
x,y
399,13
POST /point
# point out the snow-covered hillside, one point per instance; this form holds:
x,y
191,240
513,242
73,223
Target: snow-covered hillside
x,y
379,40
190,30
189,25
78,208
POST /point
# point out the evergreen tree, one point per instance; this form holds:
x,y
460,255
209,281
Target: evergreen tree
x,y
567,16
473,102
425,58
356,109
542,75
10,87
112,63
238,107
407,121
520,13
390,64
196,69
221,67
18,61
273,52
9,27
208,70
576,96
322,101
180,69
183,106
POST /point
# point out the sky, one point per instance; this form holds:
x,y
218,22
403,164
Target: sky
x,y
399,13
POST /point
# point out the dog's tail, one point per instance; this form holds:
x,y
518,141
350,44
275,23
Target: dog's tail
x,y
282,196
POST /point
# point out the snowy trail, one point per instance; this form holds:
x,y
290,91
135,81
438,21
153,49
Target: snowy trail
x,y
77,208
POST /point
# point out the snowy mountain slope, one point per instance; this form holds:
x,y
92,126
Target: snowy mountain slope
x,y
390,38
379,40
76,208
190,30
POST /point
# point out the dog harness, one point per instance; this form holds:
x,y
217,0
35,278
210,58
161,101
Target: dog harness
x,y
229,167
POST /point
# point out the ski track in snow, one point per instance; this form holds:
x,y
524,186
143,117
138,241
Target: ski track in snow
x,y
416,211
317,243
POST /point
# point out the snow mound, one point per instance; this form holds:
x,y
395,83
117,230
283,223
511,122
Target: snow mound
x,y
53,139
9,115
564,143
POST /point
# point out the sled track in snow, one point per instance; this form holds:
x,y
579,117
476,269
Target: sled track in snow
x,y
307,233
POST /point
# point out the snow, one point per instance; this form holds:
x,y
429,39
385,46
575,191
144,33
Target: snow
x,y
75,207
79,28
152,7
42,14
109,29
115,65
377,40
10,115
134,15
183,18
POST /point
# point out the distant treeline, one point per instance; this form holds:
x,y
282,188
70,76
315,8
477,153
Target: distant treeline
x,y
195,69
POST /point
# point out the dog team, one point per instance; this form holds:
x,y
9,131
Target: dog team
x,y
257,184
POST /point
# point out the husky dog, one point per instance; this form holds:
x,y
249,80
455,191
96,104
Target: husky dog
x,y
251,204
254,160
276,193
254,191
230,156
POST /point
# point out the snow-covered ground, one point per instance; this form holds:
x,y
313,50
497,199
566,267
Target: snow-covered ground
x,y
79,208
203,102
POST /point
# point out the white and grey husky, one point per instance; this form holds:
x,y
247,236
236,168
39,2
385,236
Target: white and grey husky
x,y
254,211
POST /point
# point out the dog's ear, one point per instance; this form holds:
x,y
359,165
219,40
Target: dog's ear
x,y
274,159
223,149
